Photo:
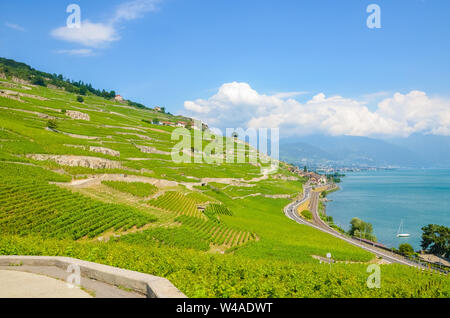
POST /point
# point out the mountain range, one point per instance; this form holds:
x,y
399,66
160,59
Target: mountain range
x,y
424,151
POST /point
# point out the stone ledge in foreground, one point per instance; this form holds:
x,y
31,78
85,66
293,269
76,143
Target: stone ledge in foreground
x,y
149,285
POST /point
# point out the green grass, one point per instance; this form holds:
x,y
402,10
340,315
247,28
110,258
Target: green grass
x,y
177,202
200,274
138,189
33,207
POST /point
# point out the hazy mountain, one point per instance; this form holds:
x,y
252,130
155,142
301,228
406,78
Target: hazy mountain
x,y
431,149
415,151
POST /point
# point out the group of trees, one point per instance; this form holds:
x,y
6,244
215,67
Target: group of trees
x,y
362,229
23,71
435,239
335,177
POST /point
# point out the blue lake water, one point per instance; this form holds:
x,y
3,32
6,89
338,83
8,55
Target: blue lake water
x,y
384,198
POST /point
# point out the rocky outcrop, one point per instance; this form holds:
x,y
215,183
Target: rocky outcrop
x,y
79,161
74,146
105,151
78,115
18,94
125,128
147,149
20,81
2,76
12,85
137,135
40,115
14,97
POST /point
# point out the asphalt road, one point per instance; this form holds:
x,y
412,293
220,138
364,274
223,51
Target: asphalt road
x,y
290,212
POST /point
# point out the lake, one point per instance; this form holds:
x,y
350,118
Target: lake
x,y
384,198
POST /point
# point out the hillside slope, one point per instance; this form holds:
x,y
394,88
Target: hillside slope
x,y
95,180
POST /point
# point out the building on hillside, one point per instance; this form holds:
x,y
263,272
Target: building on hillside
x,y
119,98
167,123
182,124
312,176
157,108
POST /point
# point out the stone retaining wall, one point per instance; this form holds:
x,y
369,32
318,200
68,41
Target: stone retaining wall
x,y
149,285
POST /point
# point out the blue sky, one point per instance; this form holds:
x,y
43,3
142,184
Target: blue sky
x,y
170,52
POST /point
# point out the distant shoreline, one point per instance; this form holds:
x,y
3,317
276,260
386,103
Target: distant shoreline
x,y
384,198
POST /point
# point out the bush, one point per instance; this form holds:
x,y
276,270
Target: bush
x,y
406,249
359,228
307,214
52,124
80,99
38,81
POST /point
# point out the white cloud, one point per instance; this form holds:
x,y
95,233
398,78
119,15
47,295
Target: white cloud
x,y
238,105
289,94
89,34
134,9
14,26
77,52
96,35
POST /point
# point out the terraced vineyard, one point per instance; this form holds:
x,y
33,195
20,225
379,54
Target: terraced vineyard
x,y
218,209
179,203
217,234
138,189
53,202
33,207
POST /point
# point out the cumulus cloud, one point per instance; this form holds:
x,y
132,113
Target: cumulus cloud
x,y
134,9
238,105
88,34
100,34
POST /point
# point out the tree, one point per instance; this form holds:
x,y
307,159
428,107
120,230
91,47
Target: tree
x,y
359,228
80,99
307,214
155,121
406,249
435,238
38,80
83,90
52,124
305,169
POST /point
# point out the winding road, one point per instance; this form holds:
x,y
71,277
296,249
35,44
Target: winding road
x,y
291,212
